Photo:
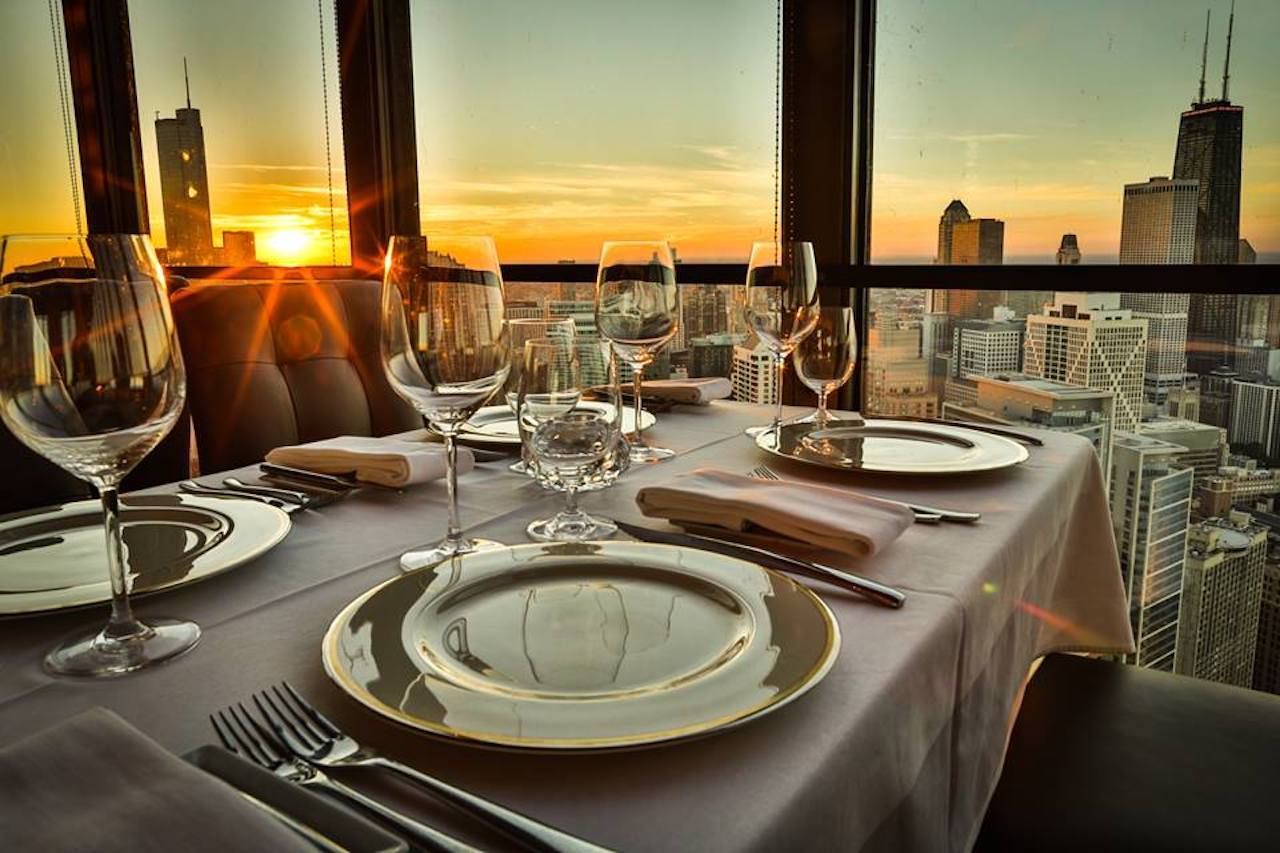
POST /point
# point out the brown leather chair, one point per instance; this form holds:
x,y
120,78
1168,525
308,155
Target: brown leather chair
x,y
280,363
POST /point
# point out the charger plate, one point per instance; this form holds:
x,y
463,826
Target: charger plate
x,y
497,424
55,557
570,646
893,447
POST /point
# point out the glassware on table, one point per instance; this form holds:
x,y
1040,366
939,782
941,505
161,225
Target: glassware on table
x,y
445,348
637,311
550,384
569,453
91,378
522,330
612,405
781,303
826,357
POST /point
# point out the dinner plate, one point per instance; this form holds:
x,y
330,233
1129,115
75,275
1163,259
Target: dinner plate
x,y
55,557
893,447
497,424
590,645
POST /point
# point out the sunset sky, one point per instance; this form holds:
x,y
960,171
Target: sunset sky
x,y
556,124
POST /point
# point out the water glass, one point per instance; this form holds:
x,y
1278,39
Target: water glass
x,y
781,302
826,358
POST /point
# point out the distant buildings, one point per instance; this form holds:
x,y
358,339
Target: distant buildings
x,y
1068,251
1204,446
978,241
956,212
1158,224
898,375
1234,487
754,374
594,369
184,187
1255,418
1266,660
1165,368
239,249
712,355
986,347
1247,254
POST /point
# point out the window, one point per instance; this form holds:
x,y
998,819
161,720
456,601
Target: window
x,y
241,131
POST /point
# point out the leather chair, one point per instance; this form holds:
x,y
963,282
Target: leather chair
x,y
280,363
1105,756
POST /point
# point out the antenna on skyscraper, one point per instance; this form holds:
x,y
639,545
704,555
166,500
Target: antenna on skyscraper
x,y
1226,65
1204,56
186,77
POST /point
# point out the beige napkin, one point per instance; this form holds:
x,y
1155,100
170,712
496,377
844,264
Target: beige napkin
x,y
694,392
819,515
95,783
389,461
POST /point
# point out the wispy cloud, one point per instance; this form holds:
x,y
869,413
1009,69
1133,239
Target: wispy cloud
x,y
979,138
274,167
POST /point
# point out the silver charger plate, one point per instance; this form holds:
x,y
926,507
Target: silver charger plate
x,y
893,447
497,424
55,557
581,646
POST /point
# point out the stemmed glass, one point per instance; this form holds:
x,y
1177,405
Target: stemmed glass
x,y
523,330
91,378
444,348
826,358
781,303
637,311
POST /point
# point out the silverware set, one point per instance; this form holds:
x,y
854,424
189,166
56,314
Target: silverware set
x,y
924,514
292,739
288,500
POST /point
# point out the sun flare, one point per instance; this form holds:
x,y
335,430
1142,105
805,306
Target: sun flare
x,y
287,247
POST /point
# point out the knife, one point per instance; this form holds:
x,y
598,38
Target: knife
x,y
878,593
979,427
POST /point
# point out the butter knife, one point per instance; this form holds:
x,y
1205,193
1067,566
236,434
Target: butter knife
x,y
878,593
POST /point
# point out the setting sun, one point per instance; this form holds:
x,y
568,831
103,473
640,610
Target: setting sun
x,y
287,247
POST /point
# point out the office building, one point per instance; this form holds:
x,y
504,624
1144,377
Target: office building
x,y
1255,419
1089,340
1158,224
1215,396
755,374
978,241
1246,255
1068,251
712,355
1222,599
1266,658
1237,487
1258,319
956,212
239,249
1150,510
184,187
1184,403
1165,368
898,376
1205,446
593,366
986,347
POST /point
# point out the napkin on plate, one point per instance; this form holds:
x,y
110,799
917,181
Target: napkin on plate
x,y
693,392
96,783
388,461
819,515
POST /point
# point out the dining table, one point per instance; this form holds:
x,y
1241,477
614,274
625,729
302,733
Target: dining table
x,y
898,748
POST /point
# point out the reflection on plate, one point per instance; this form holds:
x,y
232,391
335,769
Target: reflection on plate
x,y
893,447
497,424
55,557
581,646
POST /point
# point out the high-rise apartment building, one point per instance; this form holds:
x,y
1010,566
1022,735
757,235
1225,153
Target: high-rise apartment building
x,y
955,212
1150,510
754,374
1165,368
1158,224
1255,418
1222,599
184,187
1088,339
1205,445
1215,396
1068,251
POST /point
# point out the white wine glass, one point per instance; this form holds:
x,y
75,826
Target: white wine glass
x,y
638,311
825,359
781,302
91,378
445,348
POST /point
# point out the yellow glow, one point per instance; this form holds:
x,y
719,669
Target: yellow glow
x,y
287,247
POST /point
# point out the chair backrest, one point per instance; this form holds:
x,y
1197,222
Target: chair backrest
x,y
278,363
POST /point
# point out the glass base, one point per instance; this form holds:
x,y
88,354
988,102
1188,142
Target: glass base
x,y
518,467
96,655
443,550
757,430
571,527
645,453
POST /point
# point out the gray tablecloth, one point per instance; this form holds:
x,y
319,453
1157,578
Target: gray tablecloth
x,y
898,749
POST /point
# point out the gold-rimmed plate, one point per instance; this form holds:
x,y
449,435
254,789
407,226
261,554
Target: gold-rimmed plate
x,y
581,646
893,447
55,557
497,425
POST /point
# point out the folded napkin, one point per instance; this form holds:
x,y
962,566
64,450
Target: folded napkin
x,y
390,461
819,515
96,783
694,392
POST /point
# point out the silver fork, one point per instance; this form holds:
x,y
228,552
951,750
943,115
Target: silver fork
x,y
310,735
924,514
243,735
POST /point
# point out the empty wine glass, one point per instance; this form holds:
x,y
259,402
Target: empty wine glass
x,y
522,330
611,404
637,311
826,358
91,378
781,302
444,348
550,384
569,452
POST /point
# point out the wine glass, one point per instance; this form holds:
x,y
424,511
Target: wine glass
x,y
637,311
781,302
569,452
444,348
550,384
91,378
521,331
610,403
826,357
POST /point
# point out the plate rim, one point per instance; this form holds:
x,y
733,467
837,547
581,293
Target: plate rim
x,y
468,435
827,659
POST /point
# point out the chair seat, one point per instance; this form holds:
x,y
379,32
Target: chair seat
x,y
1108,757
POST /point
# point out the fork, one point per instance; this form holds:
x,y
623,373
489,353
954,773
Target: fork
x,y
924,514
311,736
243,735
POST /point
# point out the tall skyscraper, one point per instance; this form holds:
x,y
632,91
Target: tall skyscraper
x,y
1247,255
1255,419
1150,508
239,248
1068,251
978,241
1166,364
184,186
1158,225
955,212
1088,339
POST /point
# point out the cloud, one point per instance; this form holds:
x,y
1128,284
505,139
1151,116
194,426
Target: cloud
x,y
977,138
271,167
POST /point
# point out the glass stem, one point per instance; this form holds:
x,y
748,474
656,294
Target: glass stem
x,y
451,477
823,416
122,625
781,359
571,501
637,381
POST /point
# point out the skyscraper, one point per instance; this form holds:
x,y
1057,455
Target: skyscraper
x,y
184,186
977,241
1088,339
1068,251
1158,225
955,212
754,374
1255,418
986,347
1166,364
1150,507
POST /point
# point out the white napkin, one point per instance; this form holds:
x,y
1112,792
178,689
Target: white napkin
x,y
819,515
694,392
390,461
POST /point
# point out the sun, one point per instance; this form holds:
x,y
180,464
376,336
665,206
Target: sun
x,y
287,247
